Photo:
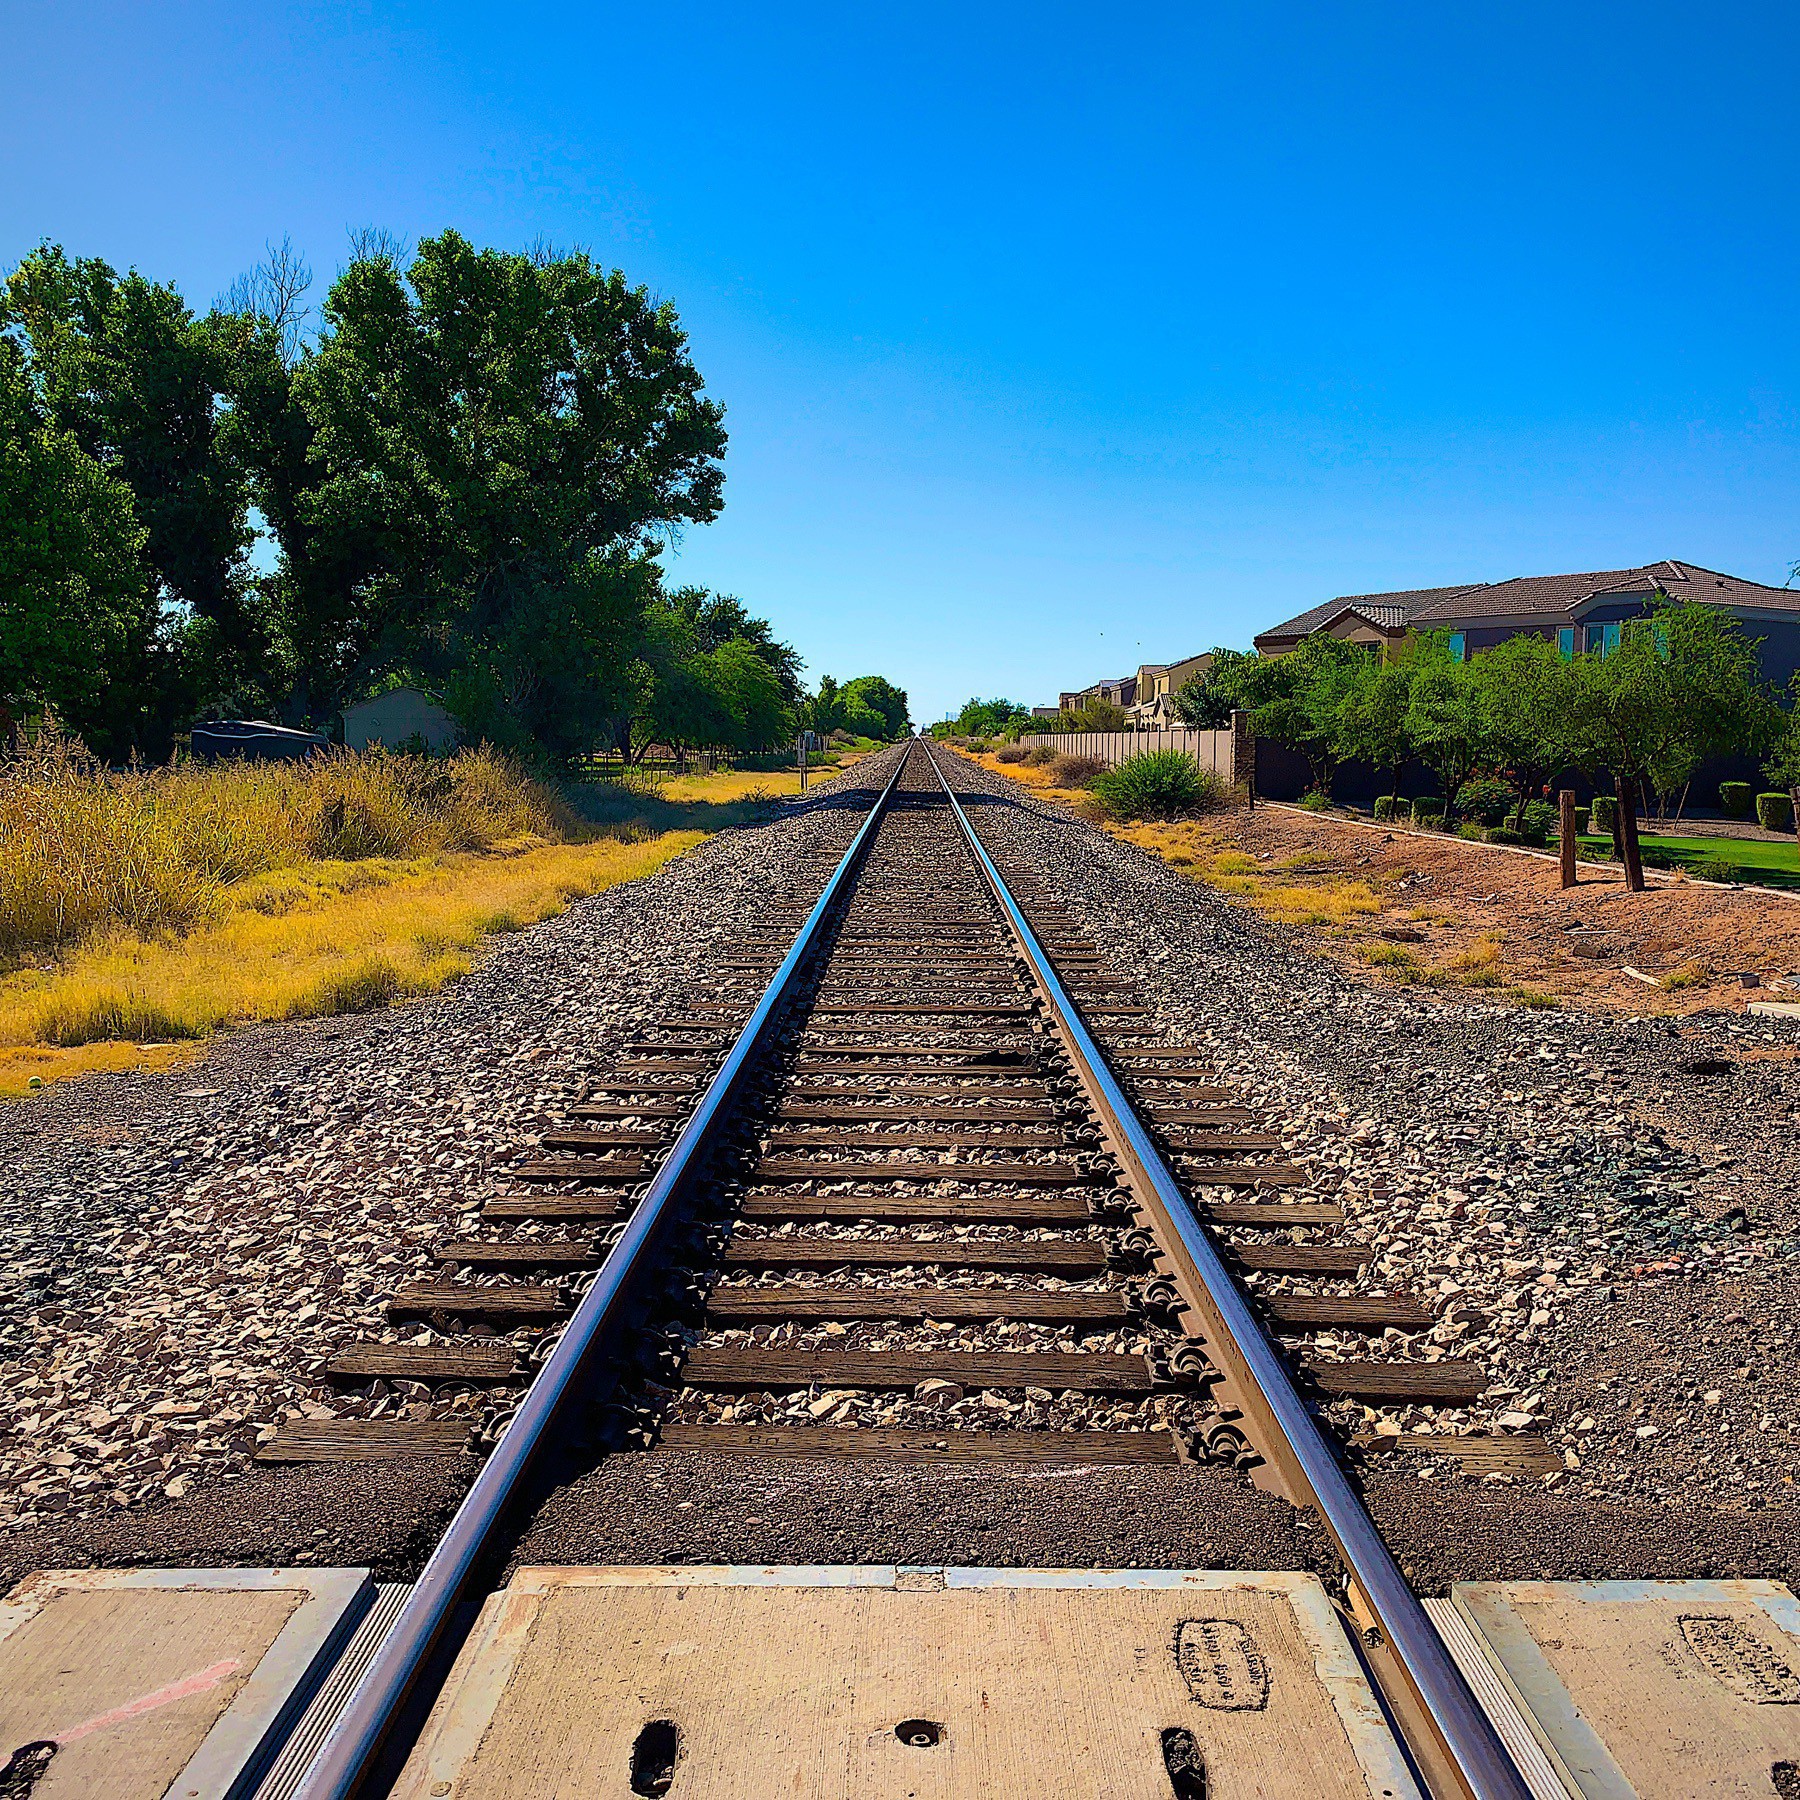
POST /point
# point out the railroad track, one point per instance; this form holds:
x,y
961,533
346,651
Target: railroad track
x,y
910,1172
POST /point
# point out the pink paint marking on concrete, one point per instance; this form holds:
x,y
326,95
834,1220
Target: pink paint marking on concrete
x,y
188,1685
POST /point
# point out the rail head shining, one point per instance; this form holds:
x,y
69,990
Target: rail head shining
x,y
1468,1760
354,1743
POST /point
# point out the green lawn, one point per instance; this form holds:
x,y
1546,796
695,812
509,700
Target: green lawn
x,y
1771,865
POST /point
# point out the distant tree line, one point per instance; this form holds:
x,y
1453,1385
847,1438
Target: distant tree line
x,y
462,474
1681,686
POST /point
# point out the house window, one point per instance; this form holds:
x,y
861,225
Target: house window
x,y
1565,642
1458,647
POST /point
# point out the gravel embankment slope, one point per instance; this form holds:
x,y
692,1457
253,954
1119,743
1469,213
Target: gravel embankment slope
x,y
179,1252
1609,1203
1605,1205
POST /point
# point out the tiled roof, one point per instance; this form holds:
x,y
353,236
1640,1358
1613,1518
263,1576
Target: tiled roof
x,y
1525,595
1529,594
1406,601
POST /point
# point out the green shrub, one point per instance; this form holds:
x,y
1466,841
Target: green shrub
x,y
1385,807
1734,799
1486,802
1775,812
1429,813
1316,802
1602,813
1538,820
1158,784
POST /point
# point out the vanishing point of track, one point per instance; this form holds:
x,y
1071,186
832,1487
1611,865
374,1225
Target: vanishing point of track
x,y
909,1147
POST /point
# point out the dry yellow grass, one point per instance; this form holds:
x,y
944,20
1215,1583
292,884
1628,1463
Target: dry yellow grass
x,y
85,852
142,912
333,937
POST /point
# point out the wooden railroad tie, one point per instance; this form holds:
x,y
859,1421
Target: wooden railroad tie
x,y
364,1440
455,1299
761,1305
1075,1258
753,1368
878,1442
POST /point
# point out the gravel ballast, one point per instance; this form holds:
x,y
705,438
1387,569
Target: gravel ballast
x,y
181,1252
1601,1205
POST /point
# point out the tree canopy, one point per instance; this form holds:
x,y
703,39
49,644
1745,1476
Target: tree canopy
x,y
466,475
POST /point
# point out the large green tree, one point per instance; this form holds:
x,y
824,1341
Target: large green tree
x,y
877,695
76,623
485,426
121,365
707,675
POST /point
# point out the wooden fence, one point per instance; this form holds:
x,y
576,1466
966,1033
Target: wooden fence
x,y
1230,753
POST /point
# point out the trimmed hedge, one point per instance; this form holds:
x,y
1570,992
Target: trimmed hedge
x,y
1775,812
1734,799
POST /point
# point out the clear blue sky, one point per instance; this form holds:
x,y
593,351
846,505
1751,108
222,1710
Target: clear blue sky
x,y
1053,339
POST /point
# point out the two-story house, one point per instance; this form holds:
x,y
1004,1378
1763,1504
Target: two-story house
x,y
1575,612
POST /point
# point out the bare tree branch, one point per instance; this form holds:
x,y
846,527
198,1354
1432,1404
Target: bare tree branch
x,y
275,290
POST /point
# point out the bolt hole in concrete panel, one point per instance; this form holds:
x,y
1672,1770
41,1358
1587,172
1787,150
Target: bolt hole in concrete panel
x,y
1186,1767
653,1758
163,1681
25,1769
884,1684
1640,1689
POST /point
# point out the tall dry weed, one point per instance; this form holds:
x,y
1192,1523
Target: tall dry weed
x,y
86,851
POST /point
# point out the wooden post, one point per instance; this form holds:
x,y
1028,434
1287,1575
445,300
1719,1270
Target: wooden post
x,y
1565,812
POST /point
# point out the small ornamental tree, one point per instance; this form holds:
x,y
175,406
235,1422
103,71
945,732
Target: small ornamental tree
x,y
1783,766
1298,699
1444,717
1682,685
1524,689
1206,702
1371,726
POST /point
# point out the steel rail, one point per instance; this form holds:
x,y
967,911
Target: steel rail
x,y
354,1743
1463,1757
